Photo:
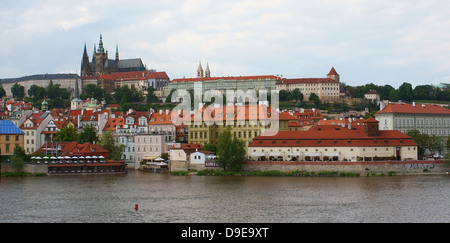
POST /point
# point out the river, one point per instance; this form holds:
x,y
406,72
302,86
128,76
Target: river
x,y
162,198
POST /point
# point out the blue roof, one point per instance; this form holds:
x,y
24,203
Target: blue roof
x,y
7,127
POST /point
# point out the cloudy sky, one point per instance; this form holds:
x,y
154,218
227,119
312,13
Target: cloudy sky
x,y
378,41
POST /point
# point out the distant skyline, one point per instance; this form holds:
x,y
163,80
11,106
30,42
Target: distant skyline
x,y
380,41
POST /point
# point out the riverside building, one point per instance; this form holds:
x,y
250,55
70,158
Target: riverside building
x,y
354,142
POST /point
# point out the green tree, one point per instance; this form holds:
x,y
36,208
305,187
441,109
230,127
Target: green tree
x,y
18,91
93,91
394,95
315,99
108,142
151,97
2,92
231,151
297,95
210,147
19,157
67,134
421,139
405,92
88,134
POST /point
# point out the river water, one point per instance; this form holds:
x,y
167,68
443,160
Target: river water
x,y
163,198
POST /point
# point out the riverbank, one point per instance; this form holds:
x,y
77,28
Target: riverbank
x,y
275,173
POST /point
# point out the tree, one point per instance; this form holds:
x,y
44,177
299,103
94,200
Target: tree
x,y
19,157
231,151
67,134
210,147
18,91
2,92
108,143
297,95
405,92
151,97
421,139
93,91
88,134
315,99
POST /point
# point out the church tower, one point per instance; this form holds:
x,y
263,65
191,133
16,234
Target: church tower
x,y
199,70
207,71
99,58
333,75
85,68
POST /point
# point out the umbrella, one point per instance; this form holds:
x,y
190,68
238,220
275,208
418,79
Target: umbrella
x,y
159,159
38,158
53,157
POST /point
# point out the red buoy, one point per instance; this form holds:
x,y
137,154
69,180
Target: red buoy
x,y
136,207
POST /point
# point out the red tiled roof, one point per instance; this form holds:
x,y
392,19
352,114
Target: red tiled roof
x,y
113,123
35,118
332,137
414,109
139,75
189,146
333,72
237,78
106,76
306,80
75,148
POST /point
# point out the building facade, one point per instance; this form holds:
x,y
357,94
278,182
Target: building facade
x,y
327,89
10,137
428,119
222,84
246,122
363,142
33,126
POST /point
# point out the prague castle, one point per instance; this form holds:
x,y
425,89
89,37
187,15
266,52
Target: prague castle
x,y
100,63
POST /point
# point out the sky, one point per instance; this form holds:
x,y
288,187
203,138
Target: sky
x,y
378,41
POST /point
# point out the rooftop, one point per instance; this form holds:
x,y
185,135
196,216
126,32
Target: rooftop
x,y
414,109
7,127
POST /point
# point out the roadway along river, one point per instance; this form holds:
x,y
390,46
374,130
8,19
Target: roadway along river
x,y
237,199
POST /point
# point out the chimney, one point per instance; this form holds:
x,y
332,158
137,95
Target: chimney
x,y
414,103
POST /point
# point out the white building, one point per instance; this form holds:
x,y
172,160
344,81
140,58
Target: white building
x,y
428,119
354,142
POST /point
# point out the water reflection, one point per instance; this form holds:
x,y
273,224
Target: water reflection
x,y
165,198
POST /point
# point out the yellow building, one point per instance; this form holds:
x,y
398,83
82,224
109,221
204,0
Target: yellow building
x,y
10,137
246,122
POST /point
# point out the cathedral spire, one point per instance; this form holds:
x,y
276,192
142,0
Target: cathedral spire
x,y
207,71
100,45
200,70
85,69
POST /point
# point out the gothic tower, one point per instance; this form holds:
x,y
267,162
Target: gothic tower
x,y
207,71
199,70
99,58
85,68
